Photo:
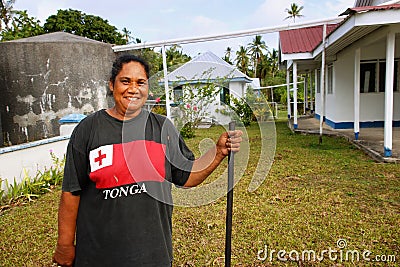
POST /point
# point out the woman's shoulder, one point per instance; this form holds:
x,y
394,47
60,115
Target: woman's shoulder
x,y
161,119
86,125
157,116
90,118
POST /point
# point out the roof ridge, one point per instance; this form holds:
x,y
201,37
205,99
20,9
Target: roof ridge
x,y
210,55
56,37
207,58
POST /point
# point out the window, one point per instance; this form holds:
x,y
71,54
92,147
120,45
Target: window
x,y
330,79
373,76
367,77
318,81
224,95
178,94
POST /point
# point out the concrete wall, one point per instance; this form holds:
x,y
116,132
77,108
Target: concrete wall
x,y
27,159
40,82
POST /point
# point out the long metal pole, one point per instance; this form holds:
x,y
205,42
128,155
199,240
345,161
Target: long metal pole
x,y
322,112
166,87
223,36
229,205
295,95
289,109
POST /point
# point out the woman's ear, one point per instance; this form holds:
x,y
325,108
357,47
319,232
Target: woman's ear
x,y
111,86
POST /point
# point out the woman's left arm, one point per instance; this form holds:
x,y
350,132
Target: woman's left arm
x,y
207,163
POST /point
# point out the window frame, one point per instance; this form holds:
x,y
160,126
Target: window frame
x,y
379,75
329,80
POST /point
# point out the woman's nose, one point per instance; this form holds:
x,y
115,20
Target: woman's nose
x,y
133,87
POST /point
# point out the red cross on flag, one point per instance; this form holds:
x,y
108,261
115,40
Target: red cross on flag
x,y
101,157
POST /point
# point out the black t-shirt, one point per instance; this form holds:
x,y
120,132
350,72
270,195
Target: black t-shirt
x,y
123,172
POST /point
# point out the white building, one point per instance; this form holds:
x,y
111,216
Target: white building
x,y
209,68
354,65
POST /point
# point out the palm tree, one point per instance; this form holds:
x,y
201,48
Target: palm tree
x,y
227,56
274,61
127,34
264,68
256,49
6,12
242,59
294,11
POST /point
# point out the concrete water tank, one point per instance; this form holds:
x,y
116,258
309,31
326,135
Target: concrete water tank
x,y
46,77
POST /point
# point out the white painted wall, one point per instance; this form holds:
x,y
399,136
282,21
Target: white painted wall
x,y
29,160
378,2
237,89
340,105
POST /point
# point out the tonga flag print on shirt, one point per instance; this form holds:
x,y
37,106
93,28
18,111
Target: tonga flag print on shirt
x,y
101,157
127,163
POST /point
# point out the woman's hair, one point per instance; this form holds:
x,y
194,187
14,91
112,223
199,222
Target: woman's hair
x,y
121,60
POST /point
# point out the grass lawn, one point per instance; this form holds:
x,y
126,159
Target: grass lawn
x,y
313,196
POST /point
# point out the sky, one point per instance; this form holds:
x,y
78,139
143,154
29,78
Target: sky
x,y
157,20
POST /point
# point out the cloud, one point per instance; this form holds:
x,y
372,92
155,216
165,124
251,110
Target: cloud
x,y
326,9
339,6
167,11
48,8
271,13
202,25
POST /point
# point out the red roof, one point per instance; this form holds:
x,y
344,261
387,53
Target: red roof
x,y
370,8
303,40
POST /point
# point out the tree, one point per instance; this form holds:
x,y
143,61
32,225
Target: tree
x,y
242,59
227,56
264,68
128,37
127,34
175,56
78,23
6,13
294,11
23,26
274,61
256,49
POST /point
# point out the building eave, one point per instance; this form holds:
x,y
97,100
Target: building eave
x,y
355,27
351,29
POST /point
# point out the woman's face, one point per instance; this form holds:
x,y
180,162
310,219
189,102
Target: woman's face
x,y
130,90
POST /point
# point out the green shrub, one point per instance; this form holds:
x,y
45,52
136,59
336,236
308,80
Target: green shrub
x,y
1,190
31,188
159,110
242,110
187,131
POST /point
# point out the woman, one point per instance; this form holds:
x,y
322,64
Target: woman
x,y
120,164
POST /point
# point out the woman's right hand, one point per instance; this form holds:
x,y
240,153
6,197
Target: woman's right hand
x,y
64,255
